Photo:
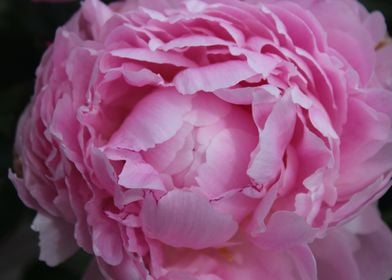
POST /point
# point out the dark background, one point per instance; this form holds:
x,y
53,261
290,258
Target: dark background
x,y
26,29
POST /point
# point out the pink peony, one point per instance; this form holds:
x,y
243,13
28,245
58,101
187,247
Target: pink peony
x,y
207,140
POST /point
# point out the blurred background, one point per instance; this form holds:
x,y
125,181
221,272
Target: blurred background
x,y
26,29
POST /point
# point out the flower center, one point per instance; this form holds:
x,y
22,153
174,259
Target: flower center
x,y
211,150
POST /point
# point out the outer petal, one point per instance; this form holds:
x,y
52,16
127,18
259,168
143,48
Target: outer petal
x,y
56,239
284,230
335,258
304,261
374,257
361,249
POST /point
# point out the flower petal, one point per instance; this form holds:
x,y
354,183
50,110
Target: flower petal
x,y
55,239
185,219
274,138
155,119
212,77
284,230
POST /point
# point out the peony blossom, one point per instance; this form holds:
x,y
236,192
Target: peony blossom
x,y
212,140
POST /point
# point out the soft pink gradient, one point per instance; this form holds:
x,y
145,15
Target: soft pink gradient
x,y
213,140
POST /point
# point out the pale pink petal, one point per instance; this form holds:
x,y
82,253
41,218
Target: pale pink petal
x,y
321,121
106,243
140,175
367,222
164,154
96,13
297,17
384,66
258,223
194,41
159,57
375,24
212,77
103,170
284,230
361,118
260,63
239,96
304,261
274,138
375,256
334,255
311,152
347,35
357,55
185,219
140,77
64,125
360,199
161,5
184,157
229,150
55,239
236,203
353,179
154,120
299,97
202,115
363,247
